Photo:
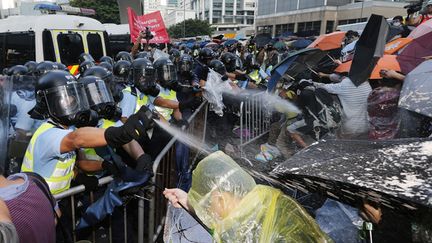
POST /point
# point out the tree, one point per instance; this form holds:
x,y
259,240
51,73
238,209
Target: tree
x,y
194,27
107,11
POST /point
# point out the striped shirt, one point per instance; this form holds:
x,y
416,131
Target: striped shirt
x,y
354,103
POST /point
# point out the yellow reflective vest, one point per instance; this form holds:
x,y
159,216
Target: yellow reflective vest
x,y
167,112
91,152
61,177
142,100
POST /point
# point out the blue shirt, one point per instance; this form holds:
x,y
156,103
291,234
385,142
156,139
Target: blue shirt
x,y
23,120
47,153
12,191
129,102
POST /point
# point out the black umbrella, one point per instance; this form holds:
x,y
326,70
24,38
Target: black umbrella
x,y
262,39
297,62
369,48
417,89
393,173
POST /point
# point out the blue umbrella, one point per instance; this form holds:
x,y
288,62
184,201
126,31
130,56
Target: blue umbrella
x,y
279,71
287,34
204,43
300,44
297,62
230,42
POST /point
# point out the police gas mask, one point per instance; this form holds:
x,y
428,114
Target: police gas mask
x,y
68,105
185,64
144,80
100,98
143,76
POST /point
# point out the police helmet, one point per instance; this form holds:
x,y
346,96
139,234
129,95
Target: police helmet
x,y
107,59
85,57
166,73
185,63
123,55
100,98
143,76
60,97
229,60
218,67
84,66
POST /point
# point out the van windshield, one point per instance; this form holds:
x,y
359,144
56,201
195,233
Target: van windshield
x,y
94,42
70,47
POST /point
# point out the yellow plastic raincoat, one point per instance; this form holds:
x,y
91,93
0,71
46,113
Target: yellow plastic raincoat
x,y
246,212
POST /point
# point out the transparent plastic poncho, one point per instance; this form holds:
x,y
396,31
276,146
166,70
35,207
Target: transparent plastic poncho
x,y
213,91
227,200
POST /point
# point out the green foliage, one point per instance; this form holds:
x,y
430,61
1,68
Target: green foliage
x,y
107,11
194,27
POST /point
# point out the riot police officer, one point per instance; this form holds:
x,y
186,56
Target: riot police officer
x,y
52,149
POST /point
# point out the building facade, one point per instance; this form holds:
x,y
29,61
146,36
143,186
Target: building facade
x,y
319,16
226,15
177,15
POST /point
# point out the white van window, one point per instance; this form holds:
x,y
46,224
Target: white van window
x,y
94,42
48,46
70,47
17,48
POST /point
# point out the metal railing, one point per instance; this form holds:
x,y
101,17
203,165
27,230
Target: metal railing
x,y
164,168
151,211
254,120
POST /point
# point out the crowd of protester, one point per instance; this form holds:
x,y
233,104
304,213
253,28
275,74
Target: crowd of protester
x,y
73,126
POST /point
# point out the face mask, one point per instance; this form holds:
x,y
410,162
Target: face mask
x,y
397,24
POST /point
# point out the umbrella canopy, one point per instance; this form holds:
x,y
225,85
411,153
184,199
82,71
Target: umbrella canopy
x,y
230,42
421,30
328,41
393,173
262,39
211,45
417,89
297,62
385,62
280,45
301,44
414,53
369,48
286,34
396,45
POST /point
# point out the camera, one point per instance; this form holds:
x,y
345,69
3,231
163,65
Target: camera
x,y
414,7
148,34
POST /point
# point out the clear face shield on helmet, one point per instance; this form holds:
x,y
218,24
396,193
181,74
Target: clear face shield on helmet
x,y
167,75
185,66
101,100
98,93
145,81
66,100
68,105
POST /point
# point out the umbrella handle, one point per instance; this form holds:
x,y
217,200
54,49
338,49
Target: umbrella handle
x,y
190,213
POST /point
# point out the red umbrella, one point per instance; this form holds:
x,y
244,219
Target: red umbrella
x,y
415,53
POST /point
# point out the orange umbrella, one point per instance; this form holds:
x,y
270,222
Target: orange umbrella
x,y
385,62
395,45
328,41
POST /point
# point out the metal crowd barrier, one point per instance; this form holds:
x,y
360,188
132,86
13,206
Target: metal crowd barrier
x,y
151,211
254,120
164,168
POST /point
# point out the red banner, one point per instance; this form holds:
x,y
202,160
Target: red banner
x,y
152,20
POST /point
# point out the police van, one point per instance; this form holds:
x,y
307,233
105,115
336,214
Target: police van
x,y
59,38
